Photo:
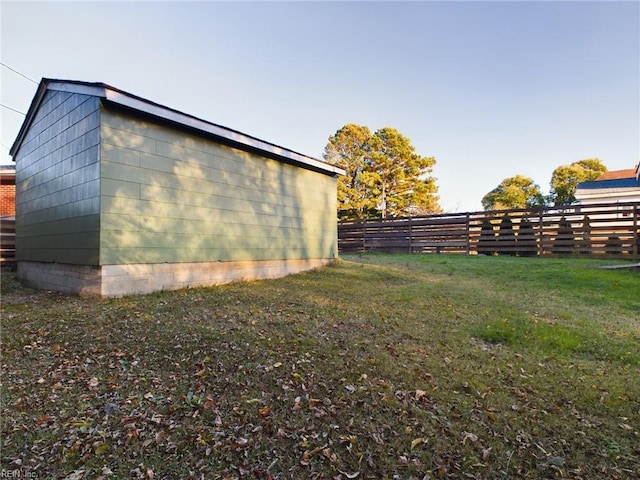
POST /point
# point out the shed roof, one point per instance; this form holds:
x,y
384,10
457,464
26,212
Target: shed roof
x,y
114,97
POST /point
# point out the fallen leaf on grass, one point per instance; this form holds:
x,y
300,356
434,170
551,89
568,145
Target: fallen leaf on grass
x,y
106,471
76,475
485,453
350,475
348,439
556,461
101,448
45,419
264,411
472,437
332,457
308,455
130,419
242,442
418,441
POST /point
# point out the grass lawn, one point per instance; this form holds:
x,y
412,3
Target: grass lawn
x,y
379,366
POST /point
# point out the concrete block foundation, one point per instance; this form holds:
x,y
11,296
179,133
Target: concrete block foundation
x,y
121,280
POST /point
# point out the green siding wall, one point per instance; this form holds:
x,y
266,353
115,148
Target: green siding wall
x,y
58,183
168,196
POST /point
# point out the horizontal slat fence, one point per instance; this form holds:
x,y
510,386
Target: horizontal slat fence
x,y
598,229
7,241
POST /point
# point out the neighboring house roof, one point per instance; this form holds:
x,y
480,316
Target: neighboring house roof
x,y
617,175
616,184
7,174
113,97
608,184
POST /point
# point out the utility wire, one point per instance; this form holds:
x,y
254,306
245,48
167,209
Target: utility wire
x,y
12,109
15,71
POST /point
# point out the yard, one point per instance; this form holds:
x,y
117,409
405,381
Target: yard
x,y
397,366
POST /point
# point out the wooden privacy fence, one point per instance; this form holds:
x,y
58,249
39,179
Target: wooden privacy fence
x,y
598,229
7,241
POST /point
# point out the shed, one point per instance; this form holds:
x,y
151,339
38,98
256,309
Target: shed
x,y
118,195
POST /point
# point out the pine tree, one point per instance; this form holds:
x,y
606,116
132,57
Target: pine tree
x,y
487,240
384,174
527,242
506,237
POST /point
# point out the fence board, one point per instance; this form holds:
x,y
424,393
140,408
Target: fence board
x,y
7,241
599,229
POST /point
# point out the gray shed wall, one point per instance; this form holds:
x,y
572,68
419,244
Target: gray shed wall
x,y
58,182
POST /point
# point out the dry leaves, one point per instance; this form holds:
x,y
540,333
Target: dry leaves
x,y
201,384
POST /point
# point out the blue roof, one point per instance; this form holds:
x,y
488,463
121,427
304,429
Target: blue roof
x,y
614,183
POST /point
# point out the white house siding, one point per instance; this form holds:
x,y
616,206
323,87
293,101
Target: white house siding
x,y
172,197
58,182
607,195
615,200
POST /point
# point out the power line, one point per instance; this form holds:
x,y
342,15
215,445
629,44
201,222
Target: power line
x,y
15,71
12,109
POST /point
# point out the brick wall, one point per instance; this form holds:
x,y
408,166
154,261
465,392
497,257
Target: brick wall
x,y
7,199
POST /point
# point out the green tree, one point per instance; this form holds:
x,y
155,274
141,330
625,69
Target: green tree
x,y
384,174
350,149
566,178
514,192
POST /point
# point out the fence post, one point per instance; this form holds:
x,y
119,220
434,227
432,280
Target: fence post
x,y
541,233
468,231
636,240
410,236
364,236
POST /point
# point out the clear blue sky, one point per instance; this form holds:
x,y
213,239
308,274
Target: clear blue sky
x,y
491,89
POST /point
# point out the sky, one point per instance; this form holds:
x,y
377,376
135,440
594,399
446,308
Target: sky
x,y
490,89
